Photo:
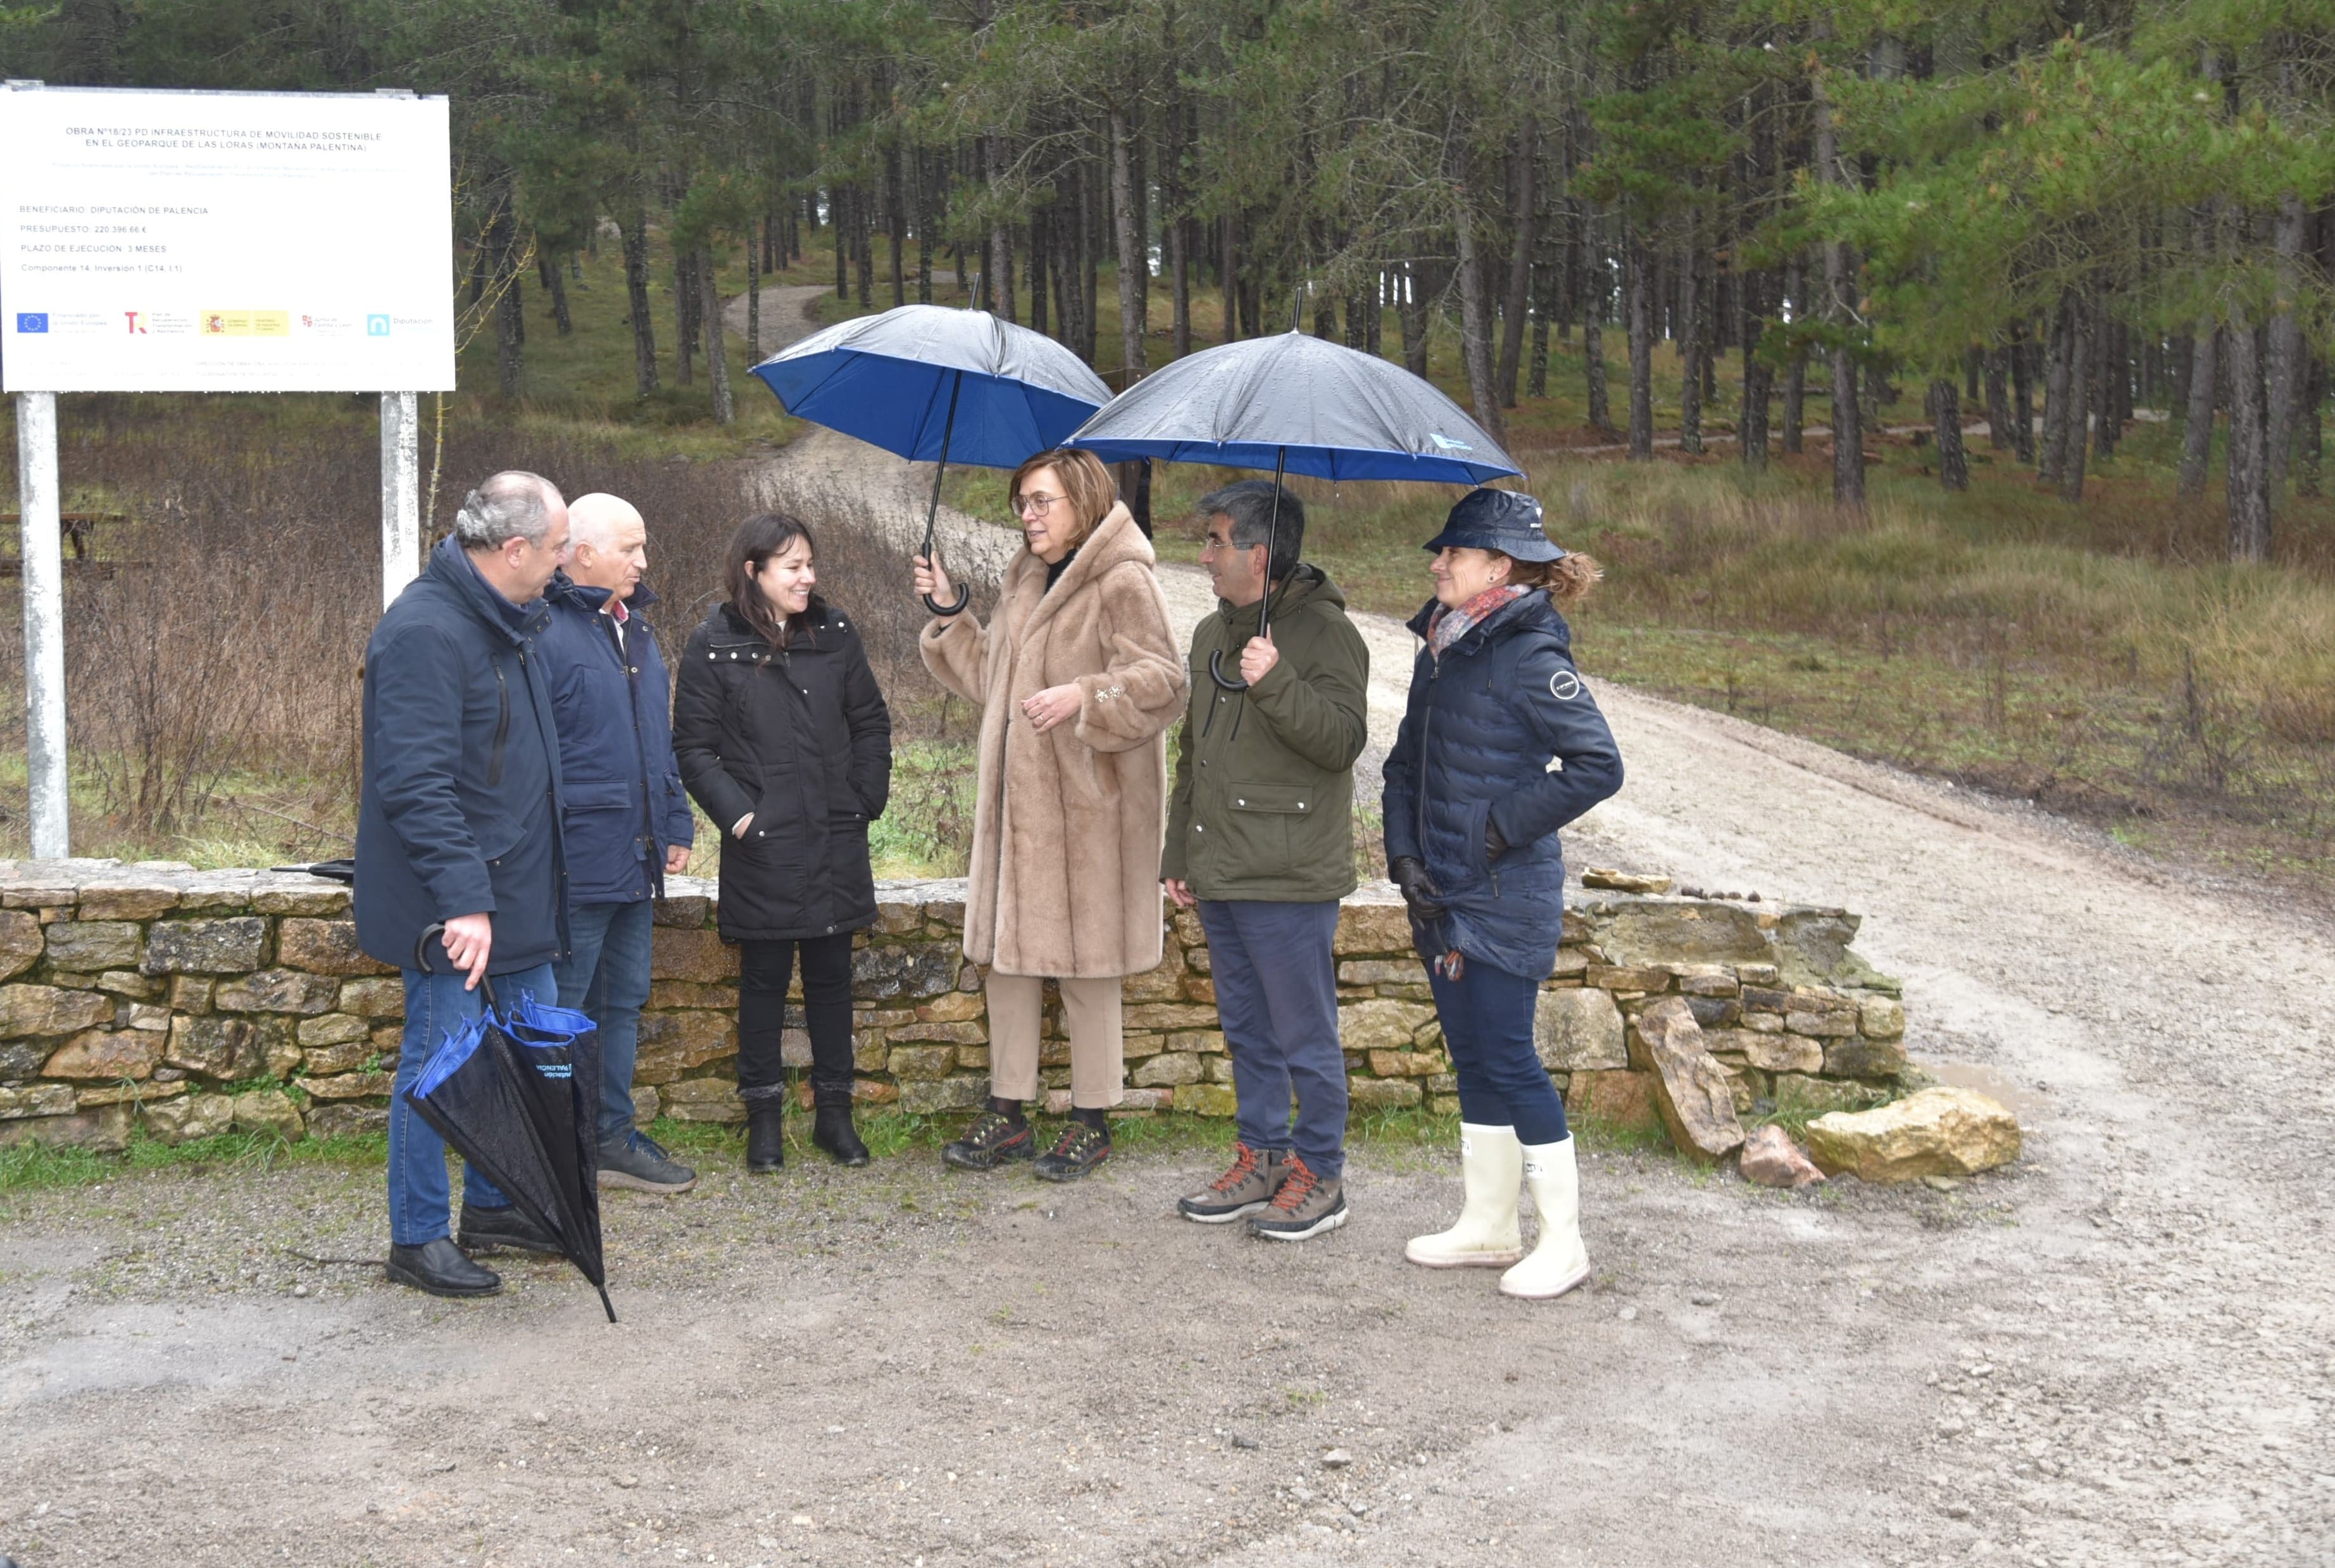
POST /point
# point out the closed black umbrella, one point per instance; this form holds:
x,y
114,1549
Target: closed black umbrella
x,y
516,1091
1297,405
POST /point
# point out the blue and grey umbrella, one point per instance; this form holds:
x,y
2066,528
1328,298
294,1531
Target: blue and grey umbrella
x,y
931,384
1297,405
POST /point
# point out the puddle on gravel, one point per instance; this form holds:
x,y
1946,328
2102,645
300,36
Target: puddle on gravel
x,y
2016,1097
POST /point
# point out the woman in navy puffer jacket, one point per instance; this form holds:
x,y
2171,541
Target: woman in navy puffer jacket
x,y
1501,746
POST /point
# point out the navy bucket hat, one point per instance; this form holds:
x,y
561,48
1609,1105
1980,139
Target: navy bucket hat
x,y
1507,522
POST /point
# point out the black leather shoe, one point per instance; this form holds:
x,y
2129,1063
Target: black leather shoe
x,y
484,1229
766,1137
832,1131
439,1268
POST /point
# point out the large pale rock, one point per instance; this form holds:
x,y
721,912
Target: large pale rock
x,y
1779,1052
1771,1159
1208,1100
347,1086
1691,1090
676,953
374,998
1579,1030
21,942
1858,1057
37,1099
189,1117
1799,1096
914,1061
935,1096
37,1010
280,991
347,1120
1364,1093
127,900
228,946
1169,1068
1380,1025
331,1029
105,1054
86,946
1937,1132
1162,983
702,1100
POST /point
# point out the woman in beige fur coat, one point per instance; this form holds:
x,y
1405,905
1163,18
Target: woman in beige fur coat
x,y
1079,678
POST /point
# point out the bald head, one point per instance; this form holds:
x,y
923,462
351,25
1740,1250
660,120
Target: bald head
x,y
609,542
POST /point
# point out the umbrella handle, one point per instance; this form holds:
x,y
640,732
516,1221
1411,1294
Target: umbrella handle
x,y
1264,600
932,512
421,962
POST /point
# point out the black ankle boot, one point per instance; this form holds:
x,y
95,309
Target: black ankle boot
x,y
832,1130
766,1143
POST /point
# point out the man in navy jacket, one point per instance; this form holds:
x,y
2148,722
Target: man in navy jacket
x,y
626,821
459,825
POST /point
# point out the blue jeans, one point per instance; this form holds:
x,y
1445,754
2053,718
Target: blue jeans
x,y
1277,998
435,1006
606,976
1487,1027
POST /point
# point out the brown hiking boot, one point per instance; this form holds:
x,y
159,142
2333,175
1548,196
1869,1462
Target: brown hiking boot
x,y
1243,1190
1306,1205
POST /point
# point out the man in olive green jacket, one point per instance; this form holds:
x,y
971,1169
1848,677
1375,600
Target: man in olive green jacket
x,y
1260,838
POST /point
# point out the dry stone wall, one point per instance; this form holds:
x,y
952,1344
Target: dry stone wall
x,y
194,1002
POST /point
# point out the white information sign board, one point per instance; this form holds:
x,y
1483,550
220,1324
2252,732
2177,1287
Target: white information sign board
x,y
162,241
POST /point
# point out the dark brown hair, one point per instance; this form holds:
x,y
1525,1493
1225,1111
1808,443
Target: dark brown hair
x,y
1086,483
759,538
1567,579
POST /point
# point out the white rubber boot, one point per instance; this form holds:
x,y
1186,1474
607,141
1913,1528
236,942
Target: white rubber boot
x,y
1491,1164
1559,1261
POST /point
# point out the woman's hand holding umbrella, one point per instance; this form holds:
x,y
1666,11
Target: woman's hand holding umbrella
x,y
931,581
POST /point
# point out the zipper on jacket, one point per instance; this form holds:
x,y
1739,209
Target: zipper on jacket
x,y
502,726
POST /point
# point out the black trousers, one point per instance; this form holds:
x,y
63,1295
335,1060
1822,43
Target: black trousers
x,y
766,969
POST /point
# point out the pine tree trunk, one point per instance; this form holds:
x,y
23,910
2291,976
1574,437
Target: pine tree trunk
x,y
1131,253
684,318
1759,378
1998,400
1544,300
1040,263
897,220
553,277
863,247
1231,278
510,317
1946,424
1475,321
1512,315
2083,345
2310,436
634,228
2248,486
1593,323
2107,391
921,215
2287,366
2055,377
1847,416
1638,287
2022,394
717,362
1690,331
755,247
839,227
1179,265
2197,426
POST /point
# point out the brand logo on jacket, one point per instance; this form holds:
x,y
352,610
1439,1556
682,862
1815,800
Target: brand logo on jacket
x,y
1564,685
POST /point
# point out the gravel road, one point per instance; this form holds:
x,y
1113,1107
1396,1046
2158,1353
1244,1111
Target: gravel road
x,y
2115,1352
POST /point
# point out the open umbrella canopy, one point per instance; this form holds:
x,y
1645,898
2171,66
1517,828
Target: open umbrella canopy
x,y
516,1091
1300,403
890,381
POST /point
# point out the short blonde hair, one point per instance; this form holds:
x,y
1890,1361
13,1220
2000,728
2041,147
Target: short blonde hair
x,y
1086,484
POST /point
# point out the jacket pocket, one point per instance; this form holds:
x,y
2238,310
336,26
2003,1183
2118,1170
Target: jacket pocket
x,y
1258,823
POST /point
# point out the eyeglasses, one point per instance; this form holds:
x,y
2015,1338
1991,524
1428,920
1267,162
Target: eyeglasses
x,y
1033,506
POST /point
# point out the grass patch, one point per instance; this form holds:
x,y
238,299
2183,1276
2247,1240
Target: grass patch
x,y
33,1166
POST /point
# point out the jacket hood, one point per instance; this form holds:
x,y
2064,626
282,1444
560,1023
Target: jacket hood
x,y
1307,584
451,565
1533,612
565,590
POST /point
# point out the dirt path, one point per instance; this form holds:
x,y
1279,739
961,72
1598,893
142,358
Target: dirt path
x,y
2117,1353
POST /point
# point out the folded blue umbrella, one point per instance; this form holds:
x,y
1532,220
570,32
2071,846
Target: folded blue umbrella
x,y
933,384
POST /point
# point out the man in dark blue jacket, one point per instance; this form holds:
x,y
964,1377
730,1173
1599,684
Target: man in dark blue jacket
x,y
626,820
459,825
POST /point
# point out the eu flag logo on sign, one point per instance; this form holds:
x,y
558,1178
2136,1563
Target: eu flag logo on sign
x,y
376,327
32,321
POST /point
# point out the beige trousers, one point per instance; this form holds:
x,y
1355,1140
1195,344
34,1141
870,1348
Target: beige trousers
x,y
1090,1010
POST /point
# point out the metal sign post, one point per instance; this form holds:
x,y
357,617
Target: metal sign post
x,y
43,549
401,494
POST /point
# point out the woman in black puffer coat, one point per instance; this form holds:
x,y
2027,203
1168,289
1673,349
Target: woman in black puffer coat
x,y
784,740
1501,746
